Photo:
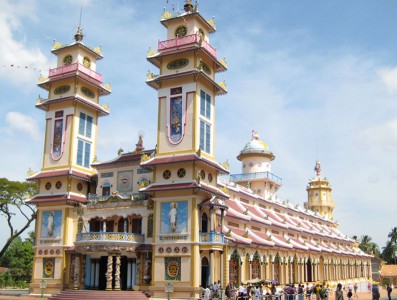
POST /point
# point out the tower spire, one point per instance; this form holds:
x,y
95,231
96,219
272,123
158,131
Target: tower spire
x,y
79,34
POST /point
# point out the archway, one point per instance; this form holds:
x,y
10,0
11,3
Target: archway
x,y
205,272
234,268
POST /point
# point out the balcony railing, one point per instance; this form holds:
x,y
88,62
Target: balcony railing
x,y
212,237
110,236
75,67
186,40
251,176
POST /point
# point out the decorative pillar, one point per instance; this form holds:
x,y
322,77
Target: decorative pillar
x,y
76,273
125,224
212,264
109,275
222,220
117,274
211,220
220,269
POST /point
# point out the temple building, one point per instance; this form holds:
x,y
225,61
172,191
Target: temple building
x,y
171,217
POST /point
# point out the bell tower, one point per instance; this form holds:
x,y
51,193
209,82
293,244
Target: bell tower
x,y
184,187
72,110
319,195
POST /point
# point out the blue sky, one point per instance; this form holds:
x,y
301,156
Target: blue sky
x,y
314,78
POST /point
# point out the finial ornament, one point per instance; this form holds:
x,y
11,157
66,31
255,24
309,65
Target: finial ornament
x,y
79,35
255,135
139,146
317,168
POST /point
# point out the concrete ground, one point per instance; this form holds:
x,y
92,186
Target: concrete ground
x,y
361,296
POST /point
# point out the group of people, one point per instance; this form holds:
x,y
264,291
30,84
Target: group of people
x,y
299,292
212,291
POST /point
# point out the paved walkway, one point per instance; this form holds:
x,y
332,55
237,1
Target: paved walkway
x,y
361,296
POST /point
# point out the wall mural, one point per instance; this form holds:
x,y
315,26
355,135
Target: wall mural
x,y
57,143
51,224
174,217
176,119
124,182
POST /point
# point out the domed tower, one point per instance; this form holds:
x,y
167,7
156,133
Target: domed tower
x,y
256,159
319,195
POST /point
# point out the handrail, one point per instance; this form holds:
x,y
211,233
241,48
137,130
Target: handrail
x,y
75,67
186,40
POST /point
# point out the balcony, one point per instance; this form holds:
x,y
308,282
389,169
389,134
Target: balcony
x,y
93,237
211,238
252,176
73,68
184,41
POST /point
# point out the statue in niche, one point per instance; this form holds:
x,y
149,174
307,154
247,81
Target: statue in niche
x,y
147,271
172,215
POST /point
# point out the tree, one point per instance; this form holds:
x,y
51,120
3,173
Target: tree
x,y
19,259
393,235
389,251
368,246
13,206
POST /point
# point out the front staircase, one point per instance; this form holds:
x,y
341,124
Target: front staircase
x,y
98,295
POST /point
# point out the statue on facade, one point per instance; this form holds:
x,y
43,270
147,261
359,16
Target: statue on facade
x,y
172,216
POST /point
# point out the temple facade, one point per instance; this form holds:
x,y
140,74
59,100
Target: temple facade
x,y
171,218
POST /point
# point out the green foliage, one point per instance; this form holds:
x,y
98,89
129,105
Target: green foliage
x,y
19,260
368,246
389,253
13,206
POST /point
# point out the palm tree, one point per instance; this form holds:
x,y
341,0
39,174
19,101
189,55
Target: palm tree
x,y
368,246
389,251
393,235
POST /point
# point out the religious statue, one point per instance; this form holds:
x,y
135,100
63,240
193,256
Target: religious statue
x,y
317,168
50,224
176,120
172,216
255,135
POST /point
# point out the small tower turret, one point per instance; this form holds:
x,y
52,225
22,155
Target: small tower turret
x,y
319,195
256,159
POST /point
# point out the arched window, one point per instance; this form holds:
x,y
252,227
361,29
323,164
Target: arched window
x,y
204,223
205,272
106,188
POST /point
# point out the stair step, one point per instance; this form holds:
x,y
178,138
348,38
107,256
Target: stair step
x,y
98,295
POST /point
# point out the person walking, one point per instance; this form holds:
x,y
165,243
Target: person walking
x,y
339,292
375,292
388,289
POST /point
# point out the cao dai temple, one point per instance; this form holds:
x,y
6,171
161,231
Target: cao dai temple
x,y
172,214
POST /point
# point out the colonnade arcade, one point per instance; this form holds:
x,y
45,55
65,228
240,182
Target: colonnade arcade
x,y
294,268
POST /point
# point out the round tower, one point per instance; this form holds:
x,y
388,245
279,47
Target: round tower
x,y
256,169
319,195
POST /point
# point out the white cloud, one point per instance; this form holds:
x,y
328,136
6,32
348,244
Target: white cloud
x,y
389,77
19,62
20,123
383,136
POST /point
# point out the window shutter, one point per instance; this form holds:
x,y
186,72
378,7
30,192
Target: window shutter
x,y
89,127
82,124
80,146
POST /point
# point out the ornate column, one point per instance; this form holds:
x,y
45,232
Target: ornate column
x,y
220,269
117,274
211,220
125,224
212,265
109,275
76,273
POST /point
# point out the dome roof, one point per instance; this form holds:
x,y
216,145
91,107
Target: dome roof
x,y
256,147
